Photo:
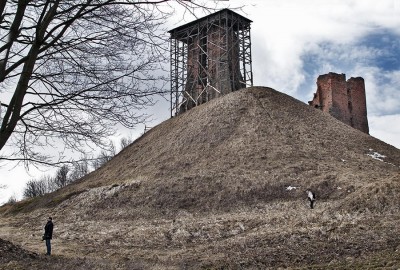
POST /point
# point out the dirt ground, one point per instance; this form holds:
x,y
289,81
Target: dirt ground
x,y
278,235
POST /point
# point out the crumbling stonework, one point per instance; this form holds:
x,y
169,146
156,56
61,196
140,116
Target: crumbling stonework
x,y
344,100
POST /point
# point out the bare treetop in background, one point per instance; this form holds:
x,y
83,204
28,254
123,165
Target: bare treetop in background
x,y
70,71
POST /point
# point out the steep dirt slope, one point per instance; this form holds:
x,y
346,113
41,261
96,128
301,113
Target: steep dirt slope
x,y
243,149
223,185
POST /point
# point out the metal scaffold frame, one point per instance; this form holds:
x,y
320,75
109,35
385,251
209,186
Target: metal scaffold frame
x,y
210,57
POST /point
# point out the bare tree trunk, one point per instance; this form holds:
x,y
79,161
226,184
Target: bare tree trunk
x,y
12,115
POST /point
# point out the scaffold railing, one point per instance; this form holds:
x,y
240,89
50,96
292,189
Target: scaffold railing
x,y
210,57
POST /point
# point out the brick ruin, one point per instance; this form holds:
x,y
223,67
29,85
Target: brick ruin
x,y
344,100
210,57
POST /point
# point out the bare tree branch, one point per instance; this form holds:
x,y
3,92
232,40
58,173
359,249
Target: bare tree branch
x,y
74,70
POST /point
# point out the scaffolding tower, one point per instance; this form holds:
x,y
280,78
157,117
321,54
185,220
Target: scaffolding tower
x,y
210,57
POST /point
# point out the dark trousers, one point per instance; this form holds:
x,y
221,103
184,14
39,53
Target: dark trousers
x,y
311,203
48,245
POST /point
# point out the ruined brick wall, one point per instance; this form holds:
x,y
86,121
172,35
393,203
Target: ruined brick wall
x,y
344,100
356,88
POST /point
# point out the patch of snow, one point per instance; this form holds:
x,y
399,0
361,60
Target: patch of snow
x,y
291,188
376,155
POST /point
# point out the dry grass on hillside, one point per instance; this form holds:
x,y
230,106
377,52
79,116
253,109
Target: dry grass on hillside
x,y
280,234
209,189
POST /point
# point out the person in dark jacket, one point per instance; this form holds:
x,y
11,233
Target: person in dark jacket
x,y
48,234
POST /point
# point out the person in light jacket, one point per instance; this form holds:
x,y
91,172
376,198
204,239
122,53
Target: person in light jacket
x,y
311,198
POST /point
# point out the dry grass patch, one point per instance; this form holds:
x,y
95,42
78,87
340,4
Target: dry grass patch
x,y
210,189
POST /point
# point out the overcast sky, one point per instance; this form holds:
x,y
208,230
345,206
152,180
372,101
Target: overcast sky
x,y
295,41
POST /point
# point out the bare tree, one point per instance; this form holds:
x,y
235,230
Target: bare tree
x,y
104,157
79,169
35,188
61,178
74,70
47,183
125,142
12,199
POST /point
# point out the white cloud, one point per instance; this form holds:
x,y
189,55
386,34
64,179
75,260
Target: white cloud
x,y
385,129
284,30
382,90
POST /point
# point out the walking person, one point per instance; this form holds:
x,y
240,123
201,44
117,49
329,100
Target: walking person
x,y
311,198
48,235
